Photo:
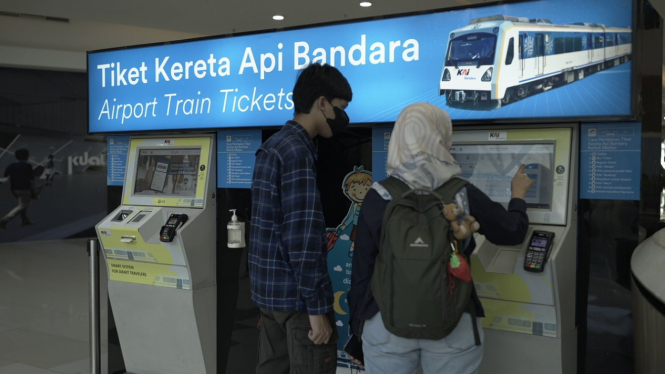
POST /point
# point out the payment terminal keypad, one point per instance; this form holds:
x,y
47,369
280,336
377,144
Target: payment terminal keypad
x,y
538,251
168,232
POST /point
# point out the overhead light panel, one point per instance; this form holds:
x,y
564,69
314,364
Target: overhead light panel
x,y
365,4
277,17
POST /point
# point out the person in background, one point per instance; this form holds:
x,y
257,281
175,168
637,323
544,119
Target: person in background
x,y
49,170
21,179
287,251
418,154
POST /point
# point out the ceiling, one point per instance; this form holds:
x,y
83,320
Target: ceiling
x,y
55,34
49,34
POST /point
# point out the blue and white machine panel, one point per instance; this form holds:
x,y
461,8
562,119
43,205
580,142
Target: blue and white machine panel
x,y
117,149
380,141
610,161
235,157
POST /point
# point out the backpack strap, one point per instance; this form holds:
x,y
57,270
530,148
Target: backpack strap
x,y
449,189
395,187
474,322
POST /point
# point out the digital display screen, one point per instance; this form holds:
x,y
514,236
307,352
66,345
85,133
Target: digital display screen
x,y
491,168
172,221
539,242
167,172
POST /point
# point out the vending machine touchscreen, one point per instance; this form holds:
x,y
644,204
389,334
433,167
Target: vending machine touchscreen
x,y
491,167
167,172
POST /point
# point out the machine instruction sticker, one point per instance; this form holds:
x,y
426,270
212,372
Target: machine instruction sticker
x,y
610,161
531,319
117,147
149,274
235,158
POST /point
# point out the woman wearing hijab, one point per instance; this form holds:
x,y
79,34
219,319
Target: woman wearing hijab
x,y
418,154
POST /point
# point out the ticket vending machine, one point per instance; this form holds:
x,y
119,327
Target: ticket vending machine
x,y
159,249
528,291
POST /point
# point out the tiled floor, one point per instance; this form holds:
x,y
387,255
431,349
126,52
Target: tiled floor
x,y
44,315
44,308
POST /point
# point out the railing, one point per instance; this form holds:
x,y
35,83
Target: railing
x,y
95,344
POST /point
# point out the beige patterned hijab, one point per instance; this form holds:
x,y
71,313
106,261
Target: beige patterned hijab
x,y
419,145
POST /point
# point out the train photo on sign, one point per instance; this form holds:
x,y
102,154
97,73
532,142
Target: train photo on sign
x,y
497,60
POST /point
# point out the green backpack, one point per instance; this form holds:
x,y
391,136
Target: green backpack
x,y
410,282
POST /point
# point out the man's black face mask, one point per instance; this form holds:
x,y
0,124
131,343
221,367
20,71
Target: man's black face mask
x,y
339,123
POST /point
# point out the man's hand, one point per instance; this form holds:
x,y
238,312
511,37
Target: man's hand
x,y
520,184
321,329
356,361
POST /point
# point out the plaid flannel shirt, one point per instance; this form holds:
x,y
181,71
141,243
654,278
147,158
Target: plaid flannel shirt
x,y
287,252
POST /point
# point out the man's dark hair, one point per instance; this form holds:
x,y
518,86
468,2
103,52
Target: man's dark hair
x,y
22,154
318,80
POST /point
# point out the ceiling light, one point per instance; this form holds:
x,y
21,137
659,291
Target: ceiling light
x,y
277,17
365,4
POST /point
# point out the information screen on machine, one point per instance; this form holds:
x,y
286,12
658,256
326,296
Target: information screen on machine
x,y
169,172
491,168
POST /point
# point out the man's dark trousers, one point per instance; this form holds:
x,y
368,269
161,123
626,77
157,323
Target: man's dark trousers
x,y
285,347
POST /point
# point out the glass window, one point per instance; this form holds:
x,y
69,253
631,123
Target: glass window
x,y
559,46
610,40
471,49
569,43
598,41
511,51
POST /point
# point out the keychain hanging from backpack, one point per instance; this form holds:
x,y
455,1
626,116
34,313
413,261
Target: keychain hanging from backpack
x,y
458,267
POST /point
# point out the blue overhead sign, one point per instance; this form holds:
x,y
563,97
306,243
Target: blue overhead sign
x,y
485,63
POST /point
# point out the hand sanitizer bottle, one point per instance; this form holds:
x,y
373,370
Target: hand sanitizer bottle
x,y
236,232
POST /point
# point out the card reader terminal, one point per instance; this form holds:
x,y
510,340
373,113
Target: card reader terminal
x,y
168,231
538,251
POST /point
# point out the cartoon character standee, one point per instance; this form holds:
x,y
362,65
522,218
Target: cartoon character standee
x,y
341,238
355,186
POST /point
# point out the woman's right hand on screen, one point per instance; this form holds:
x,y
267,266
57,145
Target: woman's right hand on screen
x,y
520,184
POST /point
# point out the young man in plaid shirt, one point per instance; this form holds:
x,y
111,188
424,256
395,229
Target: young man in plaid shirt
x,y
287,252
